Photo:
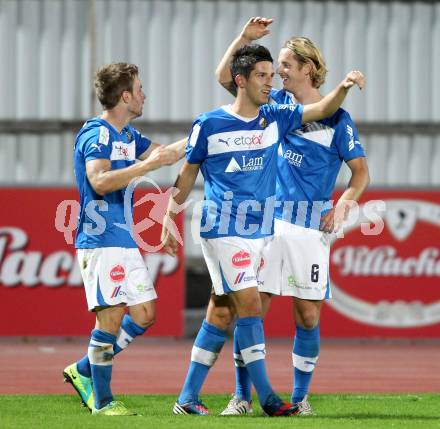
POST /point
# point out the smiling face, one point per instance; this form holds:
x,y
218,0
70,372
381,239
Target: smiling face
x,y
259,83
293,74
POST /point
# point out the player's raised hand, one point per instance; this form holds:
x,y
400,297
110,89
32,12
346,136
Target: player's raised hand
x,y
256,28
355,77
167,238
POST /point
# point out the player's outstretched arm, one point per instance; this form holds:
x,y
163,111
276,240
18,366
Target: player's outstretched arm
x,y
177,146
332,101
359,181
105,180
254,29
183,186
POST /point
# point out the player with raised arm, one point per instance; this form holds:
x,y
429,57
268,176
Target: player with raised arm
x,y
112,268
235,147
296,262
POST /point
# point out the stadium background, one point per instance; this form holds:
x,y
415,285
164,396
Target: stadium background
x,y
50,50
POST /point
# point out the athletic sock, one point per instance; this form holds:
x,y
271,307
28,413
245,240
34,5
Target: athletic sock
x,y
206,348
101,363
250,337
243,382
304,356
129,330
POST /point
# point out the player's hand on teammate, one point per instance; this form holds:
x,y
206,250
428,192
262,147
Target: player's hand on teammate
x,y
162,156
167,238
355,77
256,28
334,219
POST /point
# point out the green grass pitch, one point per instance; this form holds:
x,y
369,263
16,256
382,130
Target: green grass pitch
x,y
332,412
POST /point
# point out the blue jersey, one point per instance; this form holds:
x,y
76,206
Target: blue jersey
x,y
100,215
309,162
238,160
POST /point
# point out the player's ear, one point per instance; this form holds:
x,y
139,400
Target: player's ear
x,y
308,69
239,80
125,96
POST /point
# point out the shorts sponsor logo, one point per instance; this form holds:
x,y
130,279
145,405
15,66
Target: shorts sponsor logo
x,y
241,259
141,288
117,291
117,273
242,279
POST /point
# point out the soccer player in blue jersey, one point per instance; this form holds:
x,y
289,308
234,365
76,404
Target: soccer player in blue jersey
x,y
296,261
236,147
112,268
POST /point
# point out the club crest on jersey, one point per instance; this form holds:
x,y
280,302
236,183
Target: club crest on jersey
x,y
128,135
263,123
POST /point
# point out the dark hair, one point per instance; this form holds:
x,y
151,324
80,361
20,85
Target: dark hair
x,y
112,80
245,58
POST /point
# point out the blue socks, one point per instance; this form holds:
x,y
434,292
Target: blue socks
x,y
129,330
243,383
305,356
101,364
250,338
207,346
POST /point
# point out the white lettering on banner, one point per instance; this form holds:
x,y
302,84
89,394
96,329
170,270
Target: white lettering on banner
x,y
401,216
383,261
31,268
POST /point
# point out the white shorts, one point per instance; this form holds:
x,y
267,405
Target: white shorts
x,y
233,262
295,263
114,275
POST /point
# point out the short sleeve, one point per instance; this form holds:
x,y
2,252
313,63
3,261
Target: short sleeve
x,y
96,144
142,142
347,140
288,116
197,146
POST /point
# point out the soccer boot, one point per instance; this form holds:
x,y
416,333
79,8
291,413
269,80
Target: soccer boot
x,y
82,385
237,406
275,407
114,408
304,407
194,407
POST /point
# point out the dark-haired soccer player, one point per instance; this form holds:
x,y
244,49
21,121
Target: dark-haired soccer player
x,y
296,261
235,147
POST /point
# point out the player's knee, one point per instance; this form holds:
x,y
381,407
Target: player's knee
x,y
148,318
309,319
221,317
251,308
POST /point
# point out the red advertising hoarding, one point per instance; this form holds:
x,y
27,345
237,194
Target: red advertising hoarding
x,y
40,284
384,285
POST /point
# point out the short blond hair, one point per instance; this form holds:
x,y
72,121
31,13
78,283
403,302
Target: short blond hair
x,y
306,52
